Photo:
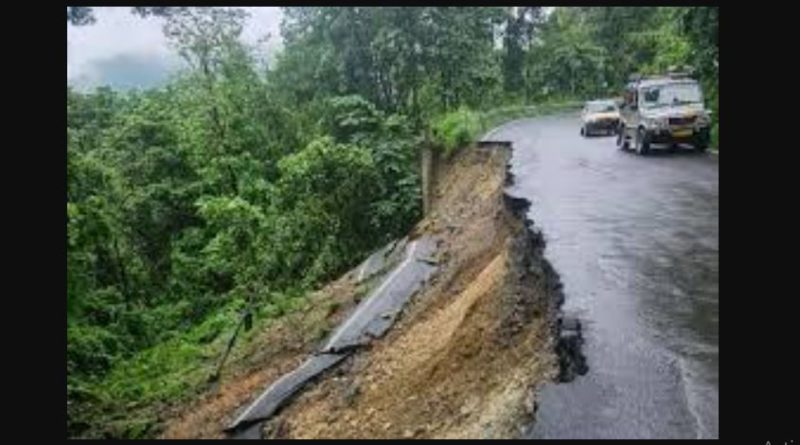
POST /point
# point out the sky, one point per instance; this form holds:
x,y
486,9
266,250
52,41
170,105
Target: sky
x,y
125,51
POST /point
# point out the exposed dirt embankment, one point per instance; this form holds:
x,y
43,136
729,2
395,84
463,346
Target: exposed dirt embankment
x,y
467,353
278,349
465,358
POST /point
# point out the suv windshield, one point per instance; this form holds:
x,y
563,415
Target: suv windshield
x,y
602,107
671,94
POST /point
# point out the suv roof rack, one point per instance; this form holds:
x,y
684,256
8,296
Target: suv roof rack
x,y
636,78
680,75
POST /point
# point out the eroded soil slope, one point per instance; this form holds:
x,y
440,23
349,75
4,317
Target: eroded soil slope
x,y
465,356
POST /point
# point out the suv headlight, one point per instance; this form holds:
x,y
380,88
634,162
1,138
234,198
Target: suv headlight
x,y
656,123
704,119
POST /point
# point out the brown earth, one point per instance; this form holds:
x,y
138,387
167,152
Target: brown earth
x,y
463,360
278,349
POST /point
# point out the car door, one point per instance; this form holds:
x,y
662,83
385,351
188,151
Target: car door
x,y
628,108
636,115
631,115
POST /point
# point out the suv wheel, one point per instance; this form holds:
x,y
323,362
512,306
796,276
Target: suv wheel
x,y
702,140
701,144
622,143
642,142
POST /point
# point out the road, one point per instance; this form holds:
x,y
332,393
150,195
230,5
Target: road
x,y
635,240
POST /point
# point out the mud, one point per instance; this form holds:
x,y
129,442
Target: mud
x,y
466,353
259,361
370,320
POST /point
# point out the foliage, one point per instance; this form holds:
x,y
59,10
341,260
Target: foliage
x,y
233,187
568,60
80,15
492,118
456,129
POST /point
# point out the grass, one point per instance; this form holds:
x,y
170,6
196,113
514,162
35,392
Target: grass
x,y
456,129
498,116
463,126
126,403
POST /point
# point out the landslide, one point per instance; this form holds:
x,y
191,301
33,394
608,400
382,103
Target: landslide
x,y
466,355
471,348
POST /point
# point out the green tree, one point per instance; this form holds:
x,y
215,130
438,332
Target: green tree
x,y
521,23
235,185
566,59
80,15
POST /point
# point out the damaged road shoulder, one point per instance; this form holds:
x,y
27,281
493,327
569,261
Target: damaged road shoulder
x,y
371,319
466,358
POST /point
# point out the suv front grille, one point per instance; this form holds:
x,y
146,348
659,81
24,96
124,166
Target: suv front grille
x,y
682,120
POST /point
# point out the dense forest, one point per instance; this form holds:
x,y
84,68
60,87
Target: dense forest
x,y
238,188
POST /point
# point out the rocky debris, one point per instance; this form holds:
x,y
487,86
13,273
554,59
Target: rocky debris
x,y
351,393
440,373
275,429
571,360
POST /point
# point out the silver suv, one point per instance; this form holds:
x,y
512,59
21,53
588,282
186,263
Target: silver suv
x,y
665,109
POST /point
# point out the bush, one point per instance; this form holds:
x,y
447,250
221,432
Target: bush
x,y
350,118
91,349
456,129
498,116
462,127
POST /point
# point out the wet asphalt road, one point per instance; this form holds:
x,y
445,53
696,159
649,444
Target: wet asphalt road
x,y
635,240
